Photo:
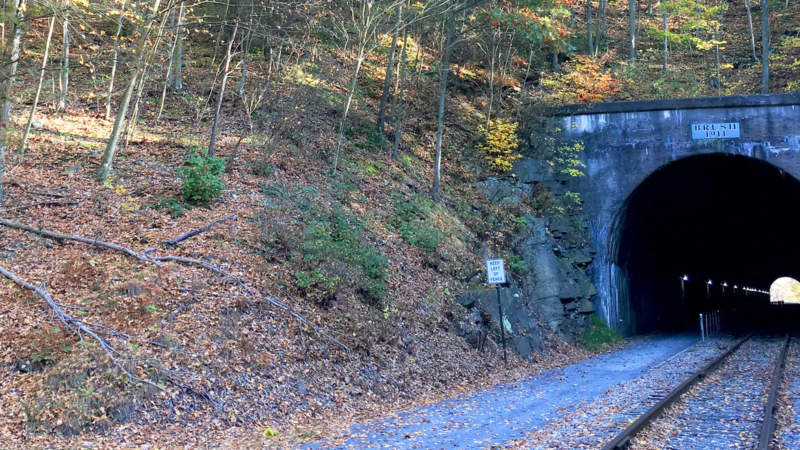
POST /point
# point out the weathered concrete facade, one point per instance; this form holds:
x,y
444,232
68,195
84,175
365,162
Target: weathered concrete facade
x,y
627,142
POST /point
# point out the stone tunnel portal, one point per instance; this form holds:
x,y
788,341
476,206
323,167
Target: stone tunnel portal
x,y
719,217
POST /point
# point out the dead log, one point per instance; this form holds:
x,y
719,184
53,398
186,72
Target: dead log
x,y
77,326
157,261
194,233
40,204
71,237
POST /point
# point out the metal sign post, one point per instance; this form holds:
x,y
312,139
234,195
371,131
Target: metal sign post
x,y
496,275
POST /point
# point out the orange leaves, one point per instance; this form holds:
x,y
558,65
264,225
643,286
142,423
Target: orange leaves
x,y
587,82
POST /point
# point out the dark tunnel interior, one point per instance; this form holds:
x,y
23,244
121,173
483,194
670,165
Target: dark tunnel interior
x,y
718,217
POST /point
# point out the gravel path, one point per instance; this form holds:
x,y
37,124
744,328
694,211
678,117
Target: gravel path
x,y
592,424
788,432
581,405
724,410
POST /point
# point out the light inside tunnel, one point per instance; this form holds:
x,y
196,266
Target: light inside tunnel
x,y
696,222
785,290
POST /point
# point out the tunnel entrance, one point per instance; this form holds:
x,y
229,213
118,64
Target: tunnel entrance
x,y
723,218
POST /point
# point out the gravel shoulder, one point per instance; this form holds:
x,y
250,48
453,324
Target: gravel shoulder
x,y
787,434
545,409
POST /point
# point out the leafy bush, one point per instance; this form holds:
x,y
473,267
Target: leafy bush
x,y
501,143
201,179
411,221
598,335
173,205
333,250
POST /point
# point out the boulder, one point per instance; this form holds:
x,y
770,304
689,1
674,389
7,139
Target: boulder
x,y
529,170
500,191
522,330
585,306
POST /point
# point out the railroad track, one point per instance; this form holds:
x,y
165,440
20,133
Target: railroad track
x,y
732,401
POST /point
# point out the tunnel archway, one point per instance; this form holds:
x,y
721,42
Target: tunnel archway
x,y
719,217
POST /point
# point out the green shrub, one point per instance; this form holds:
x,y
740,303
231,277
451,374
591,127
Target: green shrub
x,y
411,221
173,206
333,250
598,335
201,179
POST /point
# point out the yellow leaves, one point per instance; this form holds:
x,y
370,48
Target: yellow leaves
x,y
500,144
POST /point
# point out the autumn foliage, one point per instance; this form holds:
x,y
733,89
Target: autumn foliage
x,y
500,144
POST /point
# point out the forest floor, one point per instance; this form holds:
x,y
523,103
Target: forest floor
x,y
225,360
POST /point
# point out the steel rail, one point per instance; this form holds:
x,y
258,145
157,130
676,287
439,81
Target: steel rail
x,y
622,440
771,406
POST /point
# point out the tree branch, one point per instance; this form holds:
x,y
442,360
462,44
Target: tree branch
x,y
194,233
77,326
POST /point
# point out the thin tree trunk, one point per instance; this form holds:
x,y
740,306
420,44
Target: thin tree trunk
x,y
589,23
353,86
246,45
443,73
399,108
130,125
222,90
64,80
177,71
504,70
8,71
664,19
387,80
750,27
600,30
111,146
524,88
116,59
170,79
765,46
632,30
492,60
555,67
420,52
38,86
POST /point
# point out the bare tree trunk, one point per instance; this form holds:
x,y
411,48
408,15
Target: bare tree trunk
x,y
64,80
664,19
170,79
492,60
387,80
589,23
765,46
632,30
750,27
177,71
399,107
111,146
555,67
8,71
443,73
600,30
222,90
38,86
524,88
353,86
116,59
246,46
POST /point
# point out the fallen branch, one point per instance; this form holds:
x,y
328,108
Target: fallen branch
x,y
157,261
77,326
71,237
194,233
43,194
216,269
220,271
34,205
